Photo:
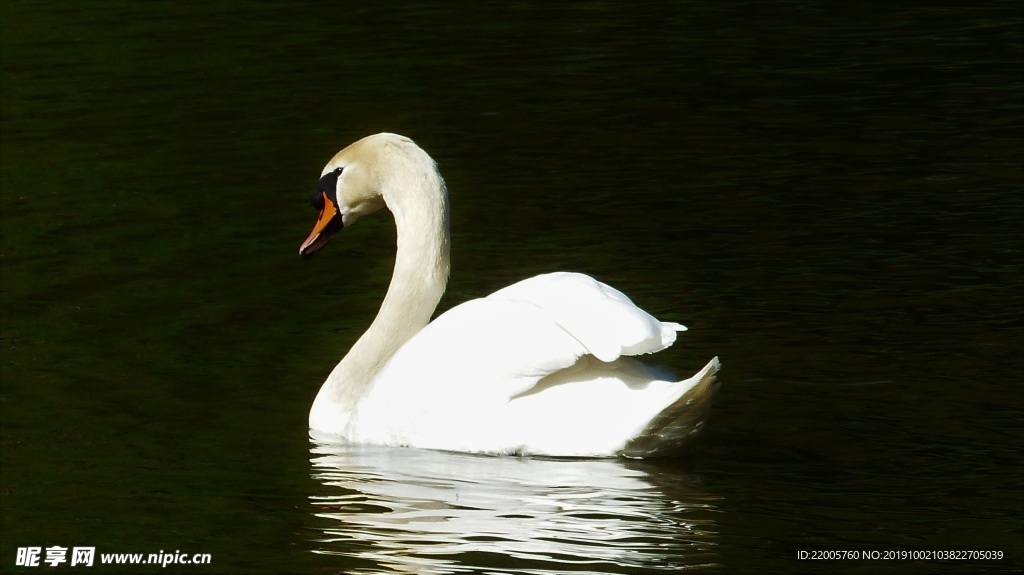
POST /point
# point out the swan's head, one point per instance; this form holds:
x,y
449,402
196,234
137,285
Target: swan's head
x,y
351,186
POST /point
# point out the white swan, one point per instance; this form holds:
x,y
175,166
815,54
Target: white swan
x,y
536,368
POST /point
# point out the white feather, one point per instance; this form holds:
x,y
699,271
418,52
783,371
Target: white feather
x,y
538,367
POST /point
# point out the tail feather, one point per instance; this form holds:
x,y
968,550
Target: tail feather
x,y
674,428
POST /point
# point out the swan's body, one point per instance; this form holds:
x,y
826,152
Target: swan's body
x,y
539,367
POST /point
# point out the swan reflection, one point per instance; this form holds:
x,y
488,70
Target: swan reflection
x,y
397,510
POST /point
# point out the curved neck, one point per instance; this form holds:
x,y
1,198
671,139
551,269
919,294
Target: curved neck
x,y
418,201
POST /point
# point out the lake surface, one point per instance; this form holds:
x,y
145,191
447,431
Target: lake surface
x,y
829,197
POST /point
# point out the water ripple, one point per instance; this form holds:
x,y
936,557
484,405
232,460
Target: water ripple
x,y
417,511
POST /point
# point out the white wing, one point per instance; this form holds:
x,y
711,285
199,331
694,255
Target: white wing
x,y
599,316
493,374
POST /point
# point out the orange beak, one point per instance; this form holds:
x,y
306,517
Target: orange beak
x,y
327,224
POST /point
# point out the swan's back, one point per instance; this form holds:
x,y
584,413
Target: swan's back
x,y
535,368
602,318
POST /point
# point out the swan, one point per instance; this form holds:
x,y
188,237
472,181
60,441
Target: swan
x,y
541,367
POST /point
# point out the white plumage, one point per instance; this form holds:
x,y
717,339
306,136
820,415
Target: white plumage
x,y
539,367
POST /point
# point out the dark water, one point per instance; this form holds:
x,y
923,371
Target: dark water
x,y
828,196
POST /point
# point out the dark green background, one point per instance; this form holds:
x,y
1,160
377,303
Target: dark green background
x,y
829,196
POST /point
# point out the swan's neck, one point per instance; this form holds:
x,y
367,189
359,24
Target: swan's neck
x,y
417,199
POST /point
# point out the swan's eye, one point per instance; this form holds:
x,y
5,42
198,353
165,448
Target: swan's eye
x,y
328,184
